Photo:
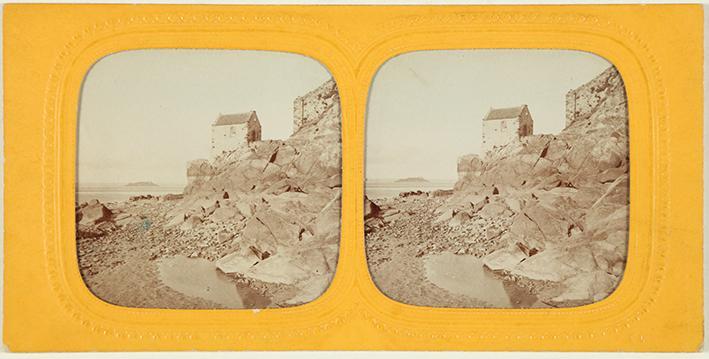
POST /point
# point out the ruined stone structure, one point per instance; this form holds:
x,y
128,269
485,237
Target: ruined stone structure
x,y
469,165
504,125
582,101
308,108
198,171
230,132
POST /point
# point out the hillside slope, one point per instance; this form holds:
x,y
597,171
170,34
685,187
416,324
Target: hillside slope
x,y
279,199
566,194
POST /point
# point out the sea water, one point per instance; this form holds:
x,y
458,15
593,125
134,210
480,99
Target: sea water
x,y
118,193
377,189
466,275
198,277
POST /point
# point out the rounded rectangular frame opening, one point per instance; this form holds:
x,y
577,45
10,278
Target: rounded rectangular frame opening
x,y
654,308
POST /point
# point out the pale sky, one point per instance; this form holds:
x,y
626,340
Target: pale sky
x,y
144,114
426,108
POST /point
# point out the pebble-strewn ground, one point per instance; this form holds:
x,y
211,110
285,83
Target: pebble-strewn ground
x,y
120,267
408,229
414,218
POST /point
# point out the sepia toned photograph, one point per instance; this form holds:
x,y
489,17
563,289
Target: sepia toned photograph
x,y
208,179
497,178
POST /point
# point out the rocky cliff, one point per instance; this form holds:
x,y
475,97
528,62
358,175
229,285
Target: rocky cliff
x,y
281,199
566,196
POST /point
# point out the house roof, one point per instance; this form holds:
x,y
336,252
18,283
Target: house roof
x,y
504,113
234,118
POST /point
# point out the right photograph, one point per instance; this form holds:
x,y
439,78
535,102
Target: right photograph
x,y
497,178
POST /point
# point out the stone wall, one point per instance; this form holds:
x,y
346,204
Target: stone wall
x,y
498,133
228,137
309,107
584,100
469,165
526,124
198,171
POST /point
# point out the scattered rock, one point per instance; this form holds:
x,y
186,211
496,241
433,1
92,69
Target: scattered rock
x,y
93,213
494,210
175,220
505,259
244,208
441,193
141,197
413,193
445,216
585,288
459,219
191,222
172,197
370,209
128,220
209,210
222,214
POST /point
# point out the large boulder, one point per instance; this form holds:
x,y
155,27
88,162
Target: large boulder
x,y
610,253
469,165
609,213
225,213
553,224
245,208
495,209
284,229
93,213
459,219
191,223
370,209
327,223
505,259
585,288
531,238
273,269
556,264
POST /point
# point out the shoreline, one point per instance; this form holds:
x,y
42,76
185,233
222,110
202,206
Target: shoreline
x,y
136,238
408,229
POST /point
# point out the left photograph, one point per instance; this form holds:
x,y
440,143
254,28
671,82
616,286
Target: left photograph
x,y
208,179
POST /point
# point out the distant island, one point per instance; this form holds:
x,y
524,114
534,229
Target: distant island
x,y
412,179
142,184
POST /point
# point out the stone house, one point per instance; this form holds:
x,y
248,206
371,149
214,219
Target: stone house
x,y
504,125
230,132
